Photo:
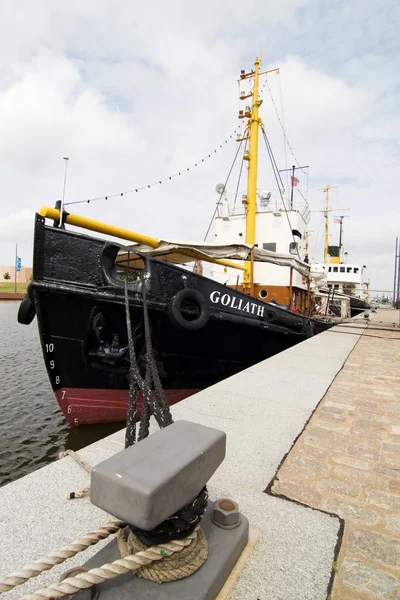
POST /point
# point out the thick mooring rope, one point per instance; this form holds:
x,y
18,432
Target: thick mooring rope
x,y
184,521
59,556
84,491
172,568
130,563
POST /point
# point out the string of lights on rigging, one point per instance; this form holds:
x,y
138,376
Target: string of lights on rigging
x,y
160,181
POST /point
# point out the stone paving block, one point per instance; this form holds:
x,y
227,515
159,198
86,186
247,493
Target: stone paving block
x,y
367,579
303,494
382,549
362,451
352,512
383,499
312,465
391,448
323,441
360,433
393,524
337,486
389,471
355,475
394,486
357,463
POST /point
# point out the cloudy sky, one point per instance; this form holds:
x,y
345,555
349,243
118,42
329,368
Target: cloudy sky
x,y
134,91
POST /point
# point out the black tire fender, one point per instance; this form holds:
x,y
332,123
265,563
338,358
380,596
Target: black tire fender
x,y
26,311
310,330
175,310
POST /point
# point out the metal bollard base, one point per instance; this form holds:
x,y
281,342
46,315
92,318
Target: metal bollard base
x,y
224,549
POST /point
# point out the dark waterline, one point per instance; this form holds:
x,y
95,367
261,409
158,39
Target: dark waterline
x,y
33,430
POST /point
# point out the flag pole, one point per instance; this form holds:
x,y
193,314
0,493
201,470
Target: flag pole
x,y
291,195
15,269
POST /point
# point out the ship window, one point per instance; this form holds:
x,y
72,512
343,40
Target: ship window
x,y
356,269
343,269
330,269
349,269
335,269
293,248
263,293
271,246
336,286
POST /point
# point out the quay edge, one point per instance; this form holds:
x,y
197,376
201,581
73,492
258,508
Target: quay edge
x,y
262,410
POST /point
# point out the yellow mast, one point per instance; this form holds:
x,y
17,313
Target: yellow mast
x,y
253,124
252,157
326,191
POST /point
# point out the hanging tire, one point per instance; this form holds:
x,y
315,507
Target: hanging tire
x,y
310,330
194,300
26,311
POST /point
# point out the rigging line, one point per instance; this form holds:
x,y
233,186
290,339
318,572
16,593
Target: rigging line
x,y
316,240
221,194
284,140
158,182
274,168
282,126
301,194
272,158
239,178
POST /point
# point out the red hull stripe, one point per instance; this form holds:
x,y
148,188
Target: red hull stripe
x,y
82,406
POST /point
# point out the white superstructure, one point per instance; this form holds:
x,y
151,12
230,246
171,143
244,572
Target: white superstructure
x,y
347,279
277,230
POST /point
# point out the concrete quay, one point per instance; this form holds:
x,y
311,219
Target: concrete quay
x,y
263,411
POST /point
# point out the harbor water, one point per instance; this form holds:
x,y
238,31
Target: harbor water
x,y
33,430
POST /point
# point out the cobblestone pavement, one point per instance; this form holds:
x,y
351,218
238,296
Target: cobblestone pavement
x,y
347,462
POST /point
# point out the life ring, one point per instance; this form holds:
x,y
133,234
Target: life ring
x,y
26,311
175,310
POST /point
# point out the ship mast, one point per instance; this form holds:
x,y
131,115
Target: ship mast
x,y
326,247
251,156
251,134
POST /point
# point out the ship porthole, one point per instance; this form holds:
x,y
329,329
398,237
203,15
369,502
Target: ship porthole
x,y
263,293
188,310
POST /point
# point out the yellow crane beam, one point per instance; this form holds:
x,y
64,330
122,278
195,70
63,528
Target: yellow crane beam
x,y
126,234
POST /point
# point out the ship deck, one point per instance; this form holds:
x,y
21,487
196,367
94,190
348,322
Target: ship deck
x,y
313,440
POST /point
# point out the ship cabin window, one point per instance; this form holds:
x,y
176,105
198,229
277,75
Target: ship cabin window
x,y
293,248
349,269
356,269
343,269
335,269
330,269
271,246
336,286
296,232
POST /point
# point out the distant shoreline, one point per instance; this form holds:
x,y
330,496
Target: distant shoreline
x,y
11,296
7,290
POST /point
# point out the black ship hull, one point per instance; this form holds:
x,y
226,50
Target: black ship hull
x,y
201,331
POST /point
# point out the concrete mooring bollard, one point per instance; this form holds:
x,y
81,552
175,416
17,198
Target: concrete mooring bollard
x,y
146,484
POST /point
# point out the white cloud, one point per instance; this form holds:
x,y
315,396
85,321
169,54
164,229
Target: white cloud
x,y
133,91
